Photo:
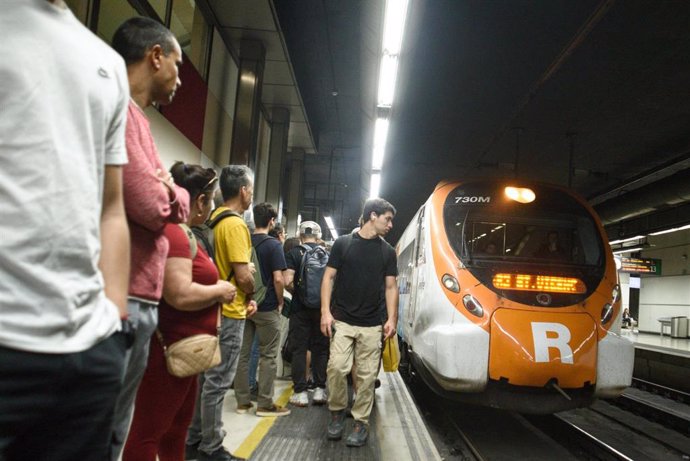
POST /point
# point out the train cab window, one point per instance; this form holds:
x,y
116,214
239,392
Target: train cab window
x,y
553,229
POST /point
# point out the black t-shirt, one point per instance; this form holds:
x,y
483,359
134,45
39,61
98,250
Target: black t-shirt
x,y
359,295
294,261
271,258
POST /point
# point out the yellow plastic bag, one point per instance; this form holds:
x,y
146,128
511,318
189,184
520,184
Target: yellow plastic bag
x,y
391,354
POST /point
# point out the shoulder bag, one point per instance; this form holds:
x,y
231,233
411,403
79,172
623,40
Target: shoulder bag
x,y
192,355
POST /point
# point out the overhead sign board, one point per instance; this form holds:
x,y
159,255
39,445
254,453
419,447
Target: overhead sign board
x,y
641,266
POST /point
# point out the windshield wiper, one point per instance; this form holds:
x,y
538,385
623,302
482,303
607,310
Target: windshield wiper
x,y
465,252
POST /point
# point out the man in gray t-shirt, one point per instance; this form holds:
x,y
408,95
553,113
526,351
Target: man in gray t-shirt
x,y
62,293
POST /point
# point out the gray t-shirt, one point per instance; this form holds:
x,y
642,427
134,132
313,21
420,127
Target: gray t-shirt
x,y
63,101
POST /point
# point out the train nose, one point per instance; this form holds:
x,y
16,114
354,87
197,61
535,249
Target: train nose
x,y
534,348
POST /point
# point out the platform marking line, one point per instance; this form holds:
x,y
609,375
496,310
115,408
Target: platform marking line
x,y
418,437
253,440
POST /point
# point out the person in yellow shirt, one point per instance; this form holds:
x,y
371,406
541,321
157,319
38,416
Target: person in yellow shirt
x,y
233,248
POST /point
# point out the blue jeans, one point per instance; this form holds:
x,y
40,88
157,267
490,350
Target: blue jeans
x,y
144,317
59,407
207,425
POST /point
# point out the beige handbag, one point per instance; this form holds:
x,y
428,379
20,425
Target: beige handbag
x,y
192,355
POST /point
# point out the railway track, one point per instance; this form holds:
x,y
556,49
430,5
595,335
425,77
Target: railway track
x,y
605,431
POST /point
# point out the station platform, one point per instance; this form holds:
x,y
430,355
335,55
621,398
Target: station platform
x,y
397,430
656,342
661,360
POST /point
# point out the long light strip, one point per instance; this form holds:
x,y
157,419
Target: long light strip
x,y
393,29
388,75
627,250
331,227
380,136
668,231
629,239
375,184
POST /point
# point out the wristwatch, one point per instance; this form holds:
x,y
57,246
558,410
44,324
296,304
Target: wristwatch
x,y
128,332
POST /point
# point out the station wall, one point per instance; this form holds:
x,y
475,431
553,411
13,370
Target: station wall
x,y
663,297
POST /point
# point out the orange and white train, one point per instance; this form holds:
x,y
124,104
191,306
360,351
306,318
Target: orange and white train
x,y
509,297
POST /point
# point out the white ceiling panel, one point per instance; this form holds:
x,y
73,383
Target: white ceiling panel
x,y
277,72
279,95
245,14
270,40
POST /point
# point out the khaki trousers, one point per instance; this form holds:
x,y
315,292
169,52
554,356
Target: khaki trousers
x,y
363,345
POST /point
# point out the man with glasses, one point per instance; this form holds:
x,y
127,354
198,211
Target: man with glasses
x,y
152,55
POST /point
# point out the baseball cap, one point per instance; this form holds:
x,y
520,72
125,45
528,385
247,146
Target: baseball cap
x,y
310,228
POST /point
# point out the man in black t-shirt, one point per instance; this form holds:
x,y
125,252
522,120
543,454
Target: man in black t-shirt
x,y
360,279
265,323
305,331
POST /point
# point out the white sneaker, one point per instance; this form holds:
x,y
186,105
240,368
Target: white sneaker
x,y
300,399
319,396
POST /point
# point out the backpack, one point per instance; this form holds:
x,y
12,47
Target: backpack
x,y
311,272
204,233
204,236
260,288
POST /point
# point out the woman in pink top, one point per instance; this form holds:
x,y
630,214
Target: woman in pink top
x,y
191,296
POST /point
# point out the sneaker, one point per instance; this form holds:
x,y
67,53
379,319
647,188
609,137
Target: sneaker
x,y
274,410
220,454
336,425
319,396
191,452
311,385
300,399
244,408
358,436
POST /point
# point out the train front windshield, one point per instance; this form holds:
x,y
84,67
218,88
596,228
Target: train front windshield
x,y
486,228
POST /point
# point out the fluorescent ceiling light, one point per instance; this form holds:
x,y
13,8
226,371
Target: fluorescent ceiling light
x,y
388,74
380,135
331,227
627,250
629,239
668,231
375,185
394,25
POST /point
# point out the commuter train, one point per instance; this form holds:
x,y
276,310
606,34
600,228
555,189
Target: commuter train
x,y
509,297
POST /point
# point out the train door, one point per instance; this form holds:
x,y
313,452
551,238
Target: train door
x,y
418,261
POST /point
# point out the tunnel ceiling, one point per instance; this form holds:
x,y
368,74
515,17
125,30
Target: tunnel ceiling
x,y
505,89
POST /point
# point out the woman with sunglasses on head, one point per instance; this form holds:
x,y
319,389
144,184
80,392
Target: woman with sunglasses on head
x,y
192,295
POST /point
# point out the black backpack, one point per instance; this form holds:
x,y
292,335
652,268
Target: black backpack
x,y
311,271
204,232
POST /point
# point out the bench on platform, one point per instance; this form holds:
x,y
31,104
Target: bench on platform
x,y
665,322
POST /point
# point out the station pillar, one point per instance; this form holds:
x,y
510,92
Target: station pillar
x,y
280,126
294,191
247,108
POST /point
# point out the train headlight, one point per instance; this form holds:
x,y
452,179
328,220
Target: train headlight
x,y
615,293
451,283
606,313
520,194
472,305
